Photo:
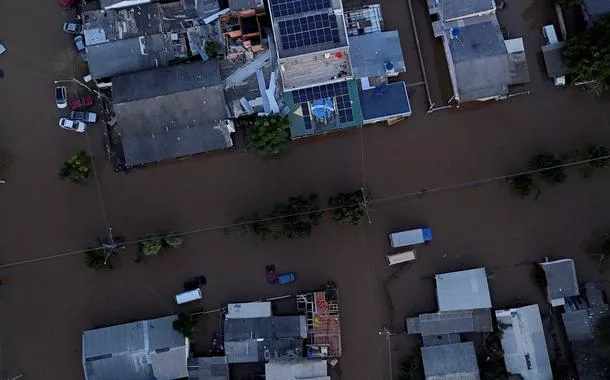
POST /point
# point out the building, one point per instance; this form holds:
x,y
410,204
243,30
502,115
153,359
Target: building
x,y
561,280
582,314
450,322
594,9
524,344
173,112
463,290
139,350
144,36
321,310
481,64
553,60
258,337
313,369
208,368
450,362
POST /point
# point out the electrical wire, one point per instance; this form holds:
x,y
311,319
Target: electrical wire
x,y
380,200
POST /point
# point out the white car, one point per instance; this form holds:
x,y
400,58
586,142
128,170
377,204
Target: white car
x,y
61,97
72,125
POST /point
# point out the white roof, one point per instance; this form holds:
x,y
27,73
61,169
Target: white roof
x,y
297,369
514,45
249,310
463,290
523,343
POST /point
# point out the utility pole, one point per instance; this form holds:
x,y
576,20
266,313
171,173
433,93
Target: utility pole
x,y
388,336
365,204
111,247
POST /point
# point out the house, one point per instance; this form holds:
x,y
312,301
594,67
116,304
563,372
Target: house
x,y
138,350
553,60
450,361
524,344
582,314
173,112
313,369
321,310
450,322
208,368
481,64
258,337
561,280
594,9
463,290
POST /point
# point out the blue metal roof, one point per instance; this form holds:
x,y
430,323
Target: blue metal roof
x,y
384,102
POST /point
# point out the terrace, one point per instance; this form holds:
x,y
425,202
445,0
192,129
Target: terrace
x,y
316,68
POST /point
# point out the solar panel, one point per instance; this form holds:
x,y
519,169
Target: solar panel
x,y
280,8
310,30
339,91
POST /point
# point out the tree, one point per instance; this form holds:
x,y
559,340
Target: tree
x,y
594,152
408,367
587,55
99,259
545,160
151,246
521,185
269,135
172,241
185,325
76,168
349,207
212,48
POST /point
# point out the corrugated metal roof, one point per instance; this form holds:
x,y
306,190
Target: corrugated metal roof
x,y
369,53
208,368
524,344
451,322
388,101
137,350
297,370
463,290
452,9
249,310
561,279
450,362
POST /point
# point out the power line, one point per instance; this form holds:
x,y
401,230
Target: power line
x,y
380,200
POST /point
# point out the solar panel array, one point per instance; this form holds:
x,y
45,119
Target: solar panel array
x,y
339,91
310,30
281,8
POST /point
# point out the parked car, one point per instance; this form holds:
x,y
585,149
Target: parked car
x,y
61,98
286,278
87,117
72,28
81,103
79,42
2,48
68,3
72,125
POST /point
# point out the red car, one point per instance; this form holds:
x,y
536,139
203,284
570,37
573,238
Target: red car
x,y
68,3
81,103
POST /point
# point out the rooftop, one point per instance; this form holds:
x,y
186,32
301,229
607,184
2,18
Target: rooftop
x,y
297,370
248,310
371,52
463,290
208,368
478,58
596,8
583,312
450,362
561,280
302,27
553,60
323,109
137,350
364,20
161,119
524,344
249,340
456,9
384,102
317,68
517,62
130,55
450,322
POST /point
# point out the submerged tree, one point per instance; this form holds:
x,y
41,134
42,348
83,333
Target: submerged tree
x,y
185,325
587,55
269,135
76,168
553,173
99,259
348,207
521,185
174,241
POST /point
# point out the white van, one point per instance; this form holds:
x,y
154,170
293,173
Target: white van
x,y
401,257
190,296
